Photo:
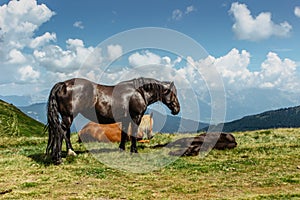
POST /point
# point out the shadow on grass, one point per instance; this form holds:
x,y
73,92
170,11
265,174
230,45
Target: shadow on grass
x,y
43,159
103,150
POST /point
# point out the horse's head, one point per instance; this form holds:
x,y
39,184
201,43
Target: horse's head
x,y
146,127
169,98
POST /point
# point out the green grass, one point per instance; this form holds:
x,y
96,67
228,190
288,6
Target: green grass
x,y
15,123
264,165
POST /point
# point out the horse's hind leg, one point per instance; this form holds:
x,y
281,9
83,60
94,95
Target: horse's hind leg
x,y
133,148
66,124
124,135
70,149
56,152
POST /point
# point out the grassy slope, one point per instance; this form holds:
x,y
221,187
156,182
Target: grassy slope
x,y
265,165
15,123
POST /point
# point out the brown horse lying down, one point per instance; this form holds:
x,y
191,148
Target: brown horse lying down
x,y
94,132
191,146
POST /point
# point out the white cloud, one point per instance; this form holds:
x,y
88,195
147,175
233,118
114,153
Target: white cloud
x,y
16,57
19,20
56,59
78,24
234,69
27,73
247,27
278,73
114,52
275,73
297,11
146,58
74,44
190,9
42,40
177,14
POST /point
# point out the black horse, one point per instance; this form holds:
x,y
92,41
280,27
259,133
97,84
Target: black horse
x,y
125,102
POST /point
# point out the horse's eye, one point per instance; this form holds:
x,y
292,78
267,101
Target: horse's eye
x,y
167,92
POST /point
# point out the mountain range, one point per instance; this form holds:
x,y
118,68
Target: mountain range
x,y
238,105
285,117
163,123
281,118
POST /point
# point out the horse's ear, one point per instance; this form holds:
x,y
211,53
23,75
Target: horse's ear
x,y
171,84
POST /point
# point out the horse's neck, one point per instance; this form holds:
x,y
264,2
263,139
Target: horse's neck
x,y
154,94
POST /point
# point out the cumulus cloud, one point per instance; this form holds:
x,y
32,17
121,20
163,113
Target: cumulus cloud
x,y
278,73
74,44
146,58
114,52
247,27
42,40
78,24
234,69
16,57
28,73
297,11
19,20
210,75
56,59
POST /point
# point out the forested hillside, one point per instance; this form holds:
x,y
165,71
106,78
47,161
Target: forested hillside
x,y
282,118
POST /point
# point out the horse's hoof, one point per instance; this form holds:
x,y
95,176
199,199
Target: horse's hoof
x,y
71,153
135,154
133,151
121,150
57,161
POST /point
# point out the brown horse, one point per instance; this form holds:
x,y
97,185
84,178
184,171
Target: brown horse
x,y
125,102
94,132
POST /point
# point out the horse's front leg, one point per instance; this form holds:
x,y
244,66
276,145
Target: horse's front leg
x,y
124,135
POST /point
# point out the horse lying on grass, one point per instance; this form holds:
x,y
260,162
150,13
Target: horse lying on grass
x,y
94,132
191,146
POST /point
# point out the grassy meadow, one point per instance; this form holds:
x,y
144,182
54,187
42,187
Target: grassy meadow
x,y
264,165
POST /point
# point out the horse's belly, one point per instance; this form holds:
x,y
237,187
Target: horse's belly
x,y
94,116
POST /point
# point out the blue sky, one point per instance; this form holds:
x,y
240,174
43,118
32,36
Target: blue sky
x,y
209,23
254,46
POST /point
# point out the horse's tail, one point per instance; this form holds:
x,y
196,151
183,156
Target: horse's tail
x,y
53,124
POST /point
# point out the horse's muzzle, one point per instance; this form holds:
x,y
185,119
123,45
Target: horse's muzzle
x,y
175,111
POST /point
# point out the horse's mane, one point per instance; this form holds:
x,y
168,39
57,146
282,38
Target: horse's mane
x,y
148,84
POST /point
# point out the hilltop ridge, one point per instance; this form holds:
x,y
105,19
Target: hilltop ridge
x,y
280,118
13,122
